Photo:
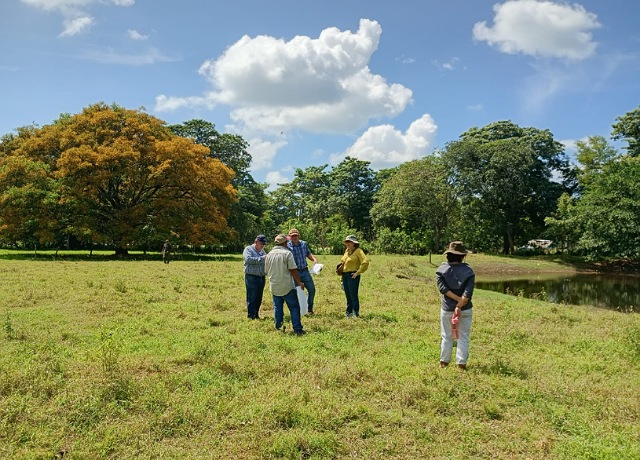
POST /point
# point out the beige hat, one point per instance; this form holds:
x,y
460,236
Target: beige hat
x,y
280,239
352,238
294,231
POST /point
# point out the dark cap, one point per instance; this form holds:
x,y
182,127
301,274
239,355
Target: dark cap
x,y
262,239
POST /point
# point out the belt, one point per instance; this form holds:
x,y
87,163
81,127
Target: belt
x,y
303,269
259,276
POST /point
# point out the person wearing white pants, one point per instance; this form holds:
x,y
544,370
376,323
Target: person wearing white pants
x,y
456,281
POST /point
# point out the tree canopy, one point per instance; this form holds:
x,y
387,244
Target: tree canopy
x,y
504,173
117,176
627,128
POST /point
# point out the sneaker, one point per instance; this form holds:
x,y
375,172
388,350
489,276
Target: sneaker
x,y
462,367
310,313
443,364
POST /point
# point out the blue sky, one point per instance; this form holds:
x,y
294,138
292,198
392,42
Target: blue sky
x,y
307,83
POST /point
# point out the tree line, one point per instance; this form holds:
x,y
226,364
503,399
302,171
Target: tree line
x,y
123,179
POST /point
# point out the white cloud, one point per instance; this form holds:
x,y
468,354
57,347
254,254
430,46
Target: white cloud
x,y
475,107
540,28
70,5
273,178
451,64
384,146
321,85
110,56
263,152
76,26
547,81
135,35
76,19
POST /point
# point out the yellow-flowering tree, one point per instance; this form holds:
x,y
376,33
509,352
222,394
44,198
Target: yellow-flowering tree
x,y
120,175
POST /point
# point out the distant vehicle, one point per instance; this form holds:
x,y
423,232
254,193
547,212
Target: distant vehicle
x,y
537,245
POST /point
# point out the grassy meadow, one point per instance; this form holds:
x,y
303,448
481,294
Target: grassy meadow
x,y
114,359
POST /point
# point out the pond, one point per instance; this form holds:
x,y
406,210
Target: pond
x,y
606,291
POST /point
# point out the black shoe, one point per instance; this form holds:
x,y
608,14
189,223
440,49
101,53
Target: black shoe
x,y
310,313
300,332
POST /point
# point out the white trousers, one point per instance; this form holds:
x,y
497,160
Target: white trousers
x,y
446,346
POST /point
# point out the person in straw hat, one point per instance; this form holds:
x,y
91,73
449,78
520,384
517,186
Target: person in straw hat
x,y
455,280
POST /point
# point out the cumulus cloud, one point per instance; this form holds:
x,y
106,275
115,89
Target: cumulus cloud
x,y
319,85
384,146
76,26
540,28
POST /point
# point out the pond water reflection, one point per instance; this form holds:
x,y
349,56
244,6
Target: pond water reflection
x,y
614,292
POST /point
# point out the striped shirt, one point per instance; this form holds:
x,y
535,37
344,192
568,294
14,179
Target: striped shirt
x,y
300,253
253,260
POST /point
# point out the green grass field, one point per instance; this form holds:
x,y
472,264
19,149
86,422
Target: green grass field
x,y
109,359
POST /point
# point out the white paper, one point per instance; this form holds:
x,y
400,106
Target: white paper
x,y
316,269
302,300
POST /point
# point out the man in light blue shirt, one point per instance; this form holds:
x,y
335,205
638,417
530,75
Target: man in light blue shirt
x,y
254,275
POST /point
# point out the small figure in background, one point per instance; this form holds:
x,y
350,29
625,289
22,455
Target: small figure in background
x,y
166,252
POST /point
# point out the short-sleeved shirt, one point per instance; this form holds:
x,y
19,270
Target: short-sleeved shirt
x,y
458,278
300,253
277,265
254,260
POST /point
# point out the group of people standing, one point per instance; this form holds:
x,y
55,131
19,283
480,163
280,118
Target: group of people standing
x,y
287,268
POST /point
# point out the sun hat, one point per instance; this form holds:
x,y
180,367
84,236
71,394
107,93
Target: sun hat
x,y
457,247
352,238
280,239
294,231
262,239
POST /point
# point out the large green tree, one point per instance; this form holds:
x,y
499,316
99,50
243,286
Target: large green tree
x,y
592,154
119,172
353,187
419,200
504,175
608,212
627,127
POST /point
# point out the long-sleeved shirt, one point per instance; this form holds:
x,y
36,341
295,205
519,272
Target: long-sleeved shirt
x,y
357,261
458,278
254,260
300,252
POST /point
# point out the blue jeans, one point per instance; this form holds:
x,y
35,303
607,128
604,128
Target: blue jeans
x,y
255,288
294,309
351,287
306,278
